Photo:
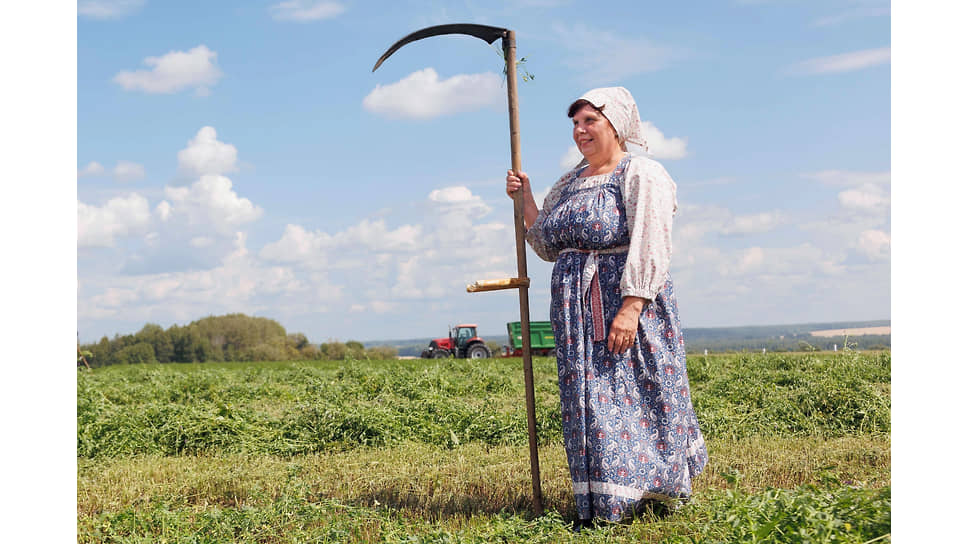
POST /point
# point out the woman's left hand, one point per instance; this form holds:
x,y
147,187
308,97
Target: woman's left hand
x,y
625,326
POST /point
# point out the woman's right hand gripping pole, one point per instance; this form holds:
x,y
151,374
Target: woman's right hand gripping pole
x,y
519,182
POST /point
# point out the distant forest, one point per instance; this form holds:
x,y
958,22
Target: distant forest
x,y
233,337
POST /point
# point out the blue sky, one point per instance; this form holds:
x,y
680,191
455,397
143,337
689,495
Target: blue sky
x,y
242,157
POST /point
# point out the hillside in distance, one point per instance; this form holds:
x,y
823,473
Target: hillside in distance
x,y
793,337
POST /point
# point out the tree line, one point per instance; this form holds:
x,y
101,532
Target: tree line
x,y
232,337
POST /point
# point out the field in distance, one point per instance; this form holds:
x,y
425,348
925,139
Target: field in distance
x,y
860,331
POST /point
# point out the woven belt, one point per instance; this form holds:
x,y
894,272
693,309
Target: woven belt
x,y
591,287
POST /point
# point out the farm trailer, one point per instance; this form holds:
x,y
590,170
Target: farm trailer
x,y
542,339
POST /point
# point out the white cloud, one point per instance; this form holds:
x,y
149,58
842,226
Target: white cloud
x,y
211,201
305,10
126,171
163,210
459,198
570,159
846,62
661,147
93,168
202,241
120,216
374,236
603,57
206,155
453,244
751,259
756,223
296,245
875,244
239,283
107,9
423,95
850,178
866,198
454,211
317,249
173,72
696,222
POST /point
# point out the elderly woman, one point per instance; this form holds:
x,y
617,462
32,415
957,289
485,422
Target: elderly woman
x,y
630,430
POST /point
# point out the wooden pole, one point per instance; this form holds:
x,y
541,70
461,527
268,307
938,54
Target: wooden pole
x,y
510,56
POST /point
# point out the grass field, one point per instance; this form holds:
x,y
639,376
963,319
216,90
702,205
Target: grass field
x,y
436,451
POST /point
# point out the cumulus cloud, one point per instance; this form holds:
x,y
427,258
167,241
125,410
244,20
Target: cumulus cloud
x,y
868,198
570,159
697,222
423,95
875,244
314,248
661,147
163,210
454,242
98,226
174,72
302,11
459,198
756,223
93,168
238,283
845,62
126,171
206,155
603,57
211,201
750,260
202,241
108,9
454,210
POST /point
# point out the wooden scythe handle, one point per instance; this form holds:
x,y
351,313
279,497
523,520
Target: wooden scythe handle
x,y
510,56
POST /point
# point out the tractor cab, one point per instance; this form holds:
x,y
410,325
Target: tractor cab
x,y
461,334
467,344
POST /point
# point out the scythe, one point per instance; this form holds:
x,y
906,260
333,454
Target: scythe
x,y
489,34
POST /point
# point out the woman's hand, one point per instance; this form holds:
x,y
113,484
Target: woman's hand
x,y
625,326
515,182
520,182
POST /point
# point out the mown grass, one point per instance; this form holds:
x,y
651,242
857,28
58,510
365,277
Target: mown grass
x,y
435,451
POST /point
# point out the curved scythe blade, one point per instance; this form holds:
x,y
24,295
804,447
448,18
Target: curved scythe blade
x,y
484,32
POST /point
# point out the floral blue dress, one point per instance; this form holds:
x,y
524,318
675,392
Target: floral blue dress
x,y
630,431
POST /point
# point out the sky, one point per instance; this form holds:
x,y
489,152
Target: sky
x,y
243,157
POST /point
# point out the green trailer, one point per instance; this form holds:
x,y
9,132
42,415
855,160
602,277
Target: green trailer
x,y
542,339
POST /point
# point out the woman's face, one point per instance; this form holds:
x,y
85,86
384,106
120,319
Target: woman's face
x,y
593,134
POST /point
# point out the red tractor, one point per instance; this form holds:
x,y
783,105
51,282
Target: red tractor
x,y
463,343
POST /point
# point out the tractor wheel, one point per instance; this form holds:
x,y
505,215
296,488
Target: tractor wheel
x,y
441,354
478,351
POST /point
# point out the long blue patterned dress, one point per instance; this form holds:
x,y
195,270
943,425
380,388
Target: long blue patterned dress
x,y
630,430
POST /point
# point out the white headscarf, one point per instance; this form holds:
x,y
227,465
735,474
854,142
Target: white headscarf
x,y
619,108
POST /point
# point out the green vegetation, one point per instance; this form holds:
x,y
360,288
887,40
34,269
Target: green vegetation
x,y
436,451
232,337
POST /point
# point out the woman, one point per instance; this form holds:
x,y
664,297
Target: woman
x,y
630,430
